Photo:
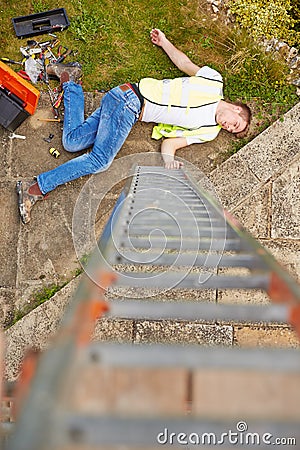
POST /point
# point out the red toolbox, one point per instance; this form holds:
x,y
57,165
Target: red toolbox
x,y
18,98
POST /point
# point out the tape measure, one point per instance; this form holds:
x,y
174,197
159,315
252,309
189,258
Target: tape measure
x,y
55,153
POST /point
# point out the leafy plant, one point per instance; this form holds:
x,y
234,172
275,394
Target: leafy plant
x,y
86,23
295,13
206,42
265,18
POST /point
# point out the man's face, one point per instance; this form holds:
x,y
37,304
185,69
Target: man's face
x,y
230,120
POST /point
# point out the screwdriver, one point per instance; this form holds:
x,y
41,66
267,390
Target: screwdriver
x,y
11,61
50,120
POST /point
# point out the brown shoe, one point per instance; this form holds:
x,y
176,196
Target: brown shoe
x,y
27,200
73,70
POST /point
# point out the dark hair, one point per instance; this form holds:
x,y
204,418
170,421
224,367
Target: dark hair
x,y
246,114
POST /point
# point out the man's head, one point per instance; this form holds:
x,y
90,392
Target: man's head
x,y
234,117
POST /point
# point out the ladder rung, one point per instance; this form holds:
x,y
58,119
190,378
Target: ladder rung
x,y
143,192
187,244
166,206
168,215
193,357
184,280
194,259
176,230
197,311
141,170
151,219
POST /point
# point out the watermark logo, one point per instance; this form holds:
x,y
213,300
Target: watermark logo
x,y
240,436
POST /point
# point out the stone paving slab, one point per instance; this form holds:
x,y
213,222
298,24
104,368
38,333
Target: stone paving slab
x,y
287,252
117,330
233,181
255,212
250,394
129,392
181,332
274,149
46,253
5,154
286,203
31,156
243,297
9,230
268,336
35,330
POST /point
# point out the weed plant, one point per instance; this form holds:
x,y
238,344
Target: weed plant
x,y
38,298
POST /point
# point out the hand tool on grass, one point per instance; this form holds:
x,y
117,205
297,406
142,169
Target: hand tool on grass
x,y
49,138
50,120
10,61
62,56
16,136
54,152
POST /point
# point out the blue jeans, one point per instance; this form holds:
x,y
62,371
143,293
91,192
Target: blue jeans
x,y
105,130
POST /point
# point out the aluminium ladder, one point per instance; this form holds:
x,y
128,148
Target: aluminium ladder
x,y
165,234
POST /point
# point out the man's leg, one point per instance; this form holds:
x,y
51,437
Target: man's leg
x,y
78,134
117,114
70,76
115,117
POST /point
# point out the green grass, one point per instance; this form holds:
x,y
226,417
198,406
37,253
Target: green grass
x,y
40,296
37,299
111,40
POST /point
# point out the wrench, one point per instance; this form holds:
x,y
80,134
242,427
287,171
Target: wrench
x,y
16,136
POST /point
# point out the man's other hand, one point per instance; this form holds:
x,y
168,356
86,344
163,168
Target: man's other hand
x,y
174,164
157,37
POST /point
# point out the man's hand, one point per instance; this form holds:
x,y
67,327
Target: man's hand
x,y
180,60
157,37
173,164
168,150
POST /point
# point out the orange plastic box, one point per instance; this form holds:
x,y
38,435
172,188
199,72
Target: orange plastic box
x,y
18,98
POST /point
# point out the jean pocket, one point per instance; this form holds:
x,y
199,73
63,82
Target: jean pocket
x,y
134,106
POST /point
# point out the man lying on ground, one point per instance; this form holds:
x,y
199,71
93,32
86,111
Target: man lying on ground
x,y
187,110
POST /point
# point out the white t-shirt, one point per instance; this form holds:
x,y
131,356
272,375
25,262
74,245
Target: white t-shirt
x,y
192,118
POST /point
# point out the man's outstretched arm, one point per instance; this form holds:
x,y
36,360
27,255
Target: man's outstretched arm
x,y
168,150
180,59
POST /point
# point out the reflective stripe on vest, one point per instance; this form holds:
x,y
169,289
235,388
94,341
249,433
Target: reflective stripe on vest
x,y
186,92
206,133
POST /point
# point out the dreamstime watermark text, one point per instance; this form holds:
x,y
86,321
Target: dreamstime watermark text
x,y
240,436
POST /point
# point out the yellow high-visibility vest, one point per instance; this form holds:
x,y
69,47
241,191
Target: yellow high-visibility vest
x,y
200,91
185,92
